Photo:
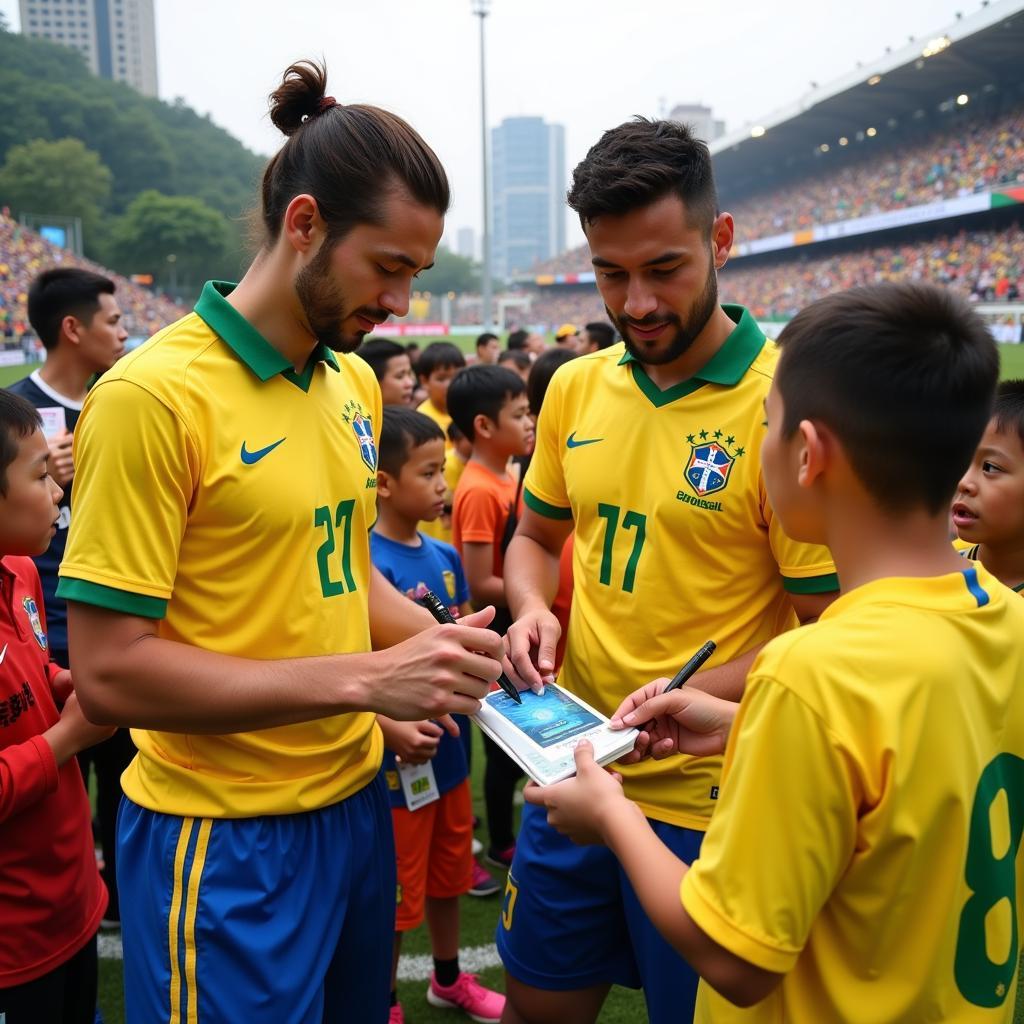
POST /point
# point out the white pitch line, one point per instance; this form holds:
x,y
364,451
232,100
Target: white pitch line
x,y
410,968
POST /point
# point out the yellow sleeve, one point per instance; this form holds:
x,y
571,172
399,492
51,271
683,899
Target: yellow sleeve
x,y
782,834
804,568
135,471
544,487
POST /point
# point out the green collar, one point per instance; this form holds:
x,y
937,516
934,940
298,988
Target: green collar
x,y
726,367
248,344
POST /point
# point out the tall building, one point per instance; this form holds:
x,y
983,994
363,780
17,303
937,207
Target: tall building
x,y
117,38
465,244
528,194
700,120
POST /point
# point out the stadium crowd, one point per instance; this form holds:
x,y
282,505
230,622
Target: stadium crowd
x,y
24,253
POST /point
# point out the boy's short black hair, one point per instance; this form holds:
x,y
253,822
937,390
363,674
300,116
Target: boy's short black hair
x,y
18,419
601,332
378,352
641,162
401,430
1009,407
453,432
486,337
517,356
904,375
517,340
541,374
482,390
61,292
439,355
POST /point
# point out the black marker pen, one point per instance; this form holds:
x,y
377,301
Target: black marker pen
x,y
691,666
433,604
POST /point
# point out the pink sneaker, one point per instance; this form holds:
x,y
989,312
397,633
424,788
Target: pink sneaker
x,y
395,1015
483,884
467,994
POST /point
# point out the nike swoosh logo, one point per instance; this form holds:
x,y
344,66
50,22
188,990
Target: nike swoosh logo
x,y
3,654
249,458
571,442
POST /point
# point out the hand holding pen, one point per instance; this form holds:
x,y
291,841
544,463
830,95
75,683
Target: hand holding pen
x,y
441,614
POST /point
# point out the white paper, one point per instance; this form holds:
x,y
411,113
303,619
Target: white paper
x,y
54,420
418,784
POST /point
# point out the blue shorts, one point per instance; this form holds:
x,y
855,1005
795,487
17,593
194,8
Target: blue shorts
x,y
281,919
571,920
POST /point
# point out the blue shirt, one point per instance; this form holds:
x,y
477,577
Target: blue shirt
x,y
35,390
431,565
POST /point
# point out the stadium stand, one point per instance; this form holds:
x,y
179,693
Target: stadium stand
x,y
23,254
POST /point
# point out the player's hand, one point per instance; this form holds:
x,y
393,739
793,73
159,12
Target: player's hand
x,y
74,732
62,685
577,806
443,670
62,463
412,742
684,721
531,641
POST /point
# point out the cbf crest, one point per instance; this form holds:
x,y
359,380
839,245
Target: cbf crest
x,y
712,457
362,426
32,611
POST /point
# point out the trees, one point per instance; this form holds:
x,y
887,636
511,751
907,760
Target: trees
x,y
62,177
156,227
450,273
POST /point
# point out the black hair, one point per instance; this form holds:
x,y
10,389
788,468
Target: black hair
x,y
1009,407
18,420
453,432
640,162
517,340
349,158
517,356
61,292
541,374
481,390
378,352
904,375
601,332
486,337
439,355
401,430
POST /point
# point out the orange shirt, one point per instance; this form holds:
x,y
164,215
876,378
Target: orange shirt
x,y
480,510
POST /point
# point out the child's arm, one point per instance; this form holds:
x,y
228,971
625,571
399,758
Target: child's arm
x,y
29,770
591,808
485,587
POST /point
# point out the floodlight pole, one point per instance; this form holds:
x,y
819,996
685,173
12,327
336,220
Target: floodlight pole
x,y
481,8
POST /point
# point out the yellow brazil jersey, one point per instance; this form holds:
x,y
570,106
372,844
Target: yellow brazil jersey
x,y
229,497
877,861
441,527
675,541
970,551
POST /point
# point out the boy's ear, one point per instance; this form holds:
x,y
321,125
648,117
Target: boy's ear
x,y
383,484
815,452
483,426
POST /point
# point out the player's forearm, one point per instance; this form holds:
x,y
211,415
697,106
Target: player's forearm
x,y
531,576
160,684
487,590
729,680
393,616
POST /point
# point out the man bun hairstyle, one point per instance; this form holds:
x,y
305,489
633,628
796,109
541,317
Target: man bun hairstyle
x,y
348,158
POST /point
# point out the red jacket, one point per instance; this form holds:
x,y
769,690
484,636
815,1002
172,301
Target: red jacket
x,y
51,893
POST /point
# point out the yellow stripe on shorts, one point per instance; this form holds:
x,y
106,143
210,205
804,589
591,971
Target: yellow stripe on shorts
x,y
173,918
191,906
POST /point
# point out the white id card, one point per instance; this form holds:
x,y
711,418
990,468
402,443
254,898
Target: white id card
x,y
418,785
54,420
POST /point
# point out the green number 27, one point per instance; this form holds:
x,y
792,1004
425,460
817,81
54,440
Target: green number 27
x,y
991,875
630,521
340,519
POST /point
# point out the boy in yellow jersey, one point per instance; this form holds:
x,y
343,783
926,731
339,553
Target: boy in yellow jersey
x,y
222,601
989,509
863,862
650,450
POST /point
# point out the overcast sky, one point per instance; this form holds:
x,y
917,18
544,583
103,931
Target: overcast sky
x,y
587,64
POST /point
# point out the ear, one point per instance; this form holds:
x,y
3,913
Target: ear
x,y
815,452
723,232
303,226
482,426
71,328
383,484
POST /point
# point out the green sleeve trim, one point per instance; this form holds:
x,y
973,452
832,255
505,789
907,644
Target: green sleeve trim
x,y
812,585
109,597
542,508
